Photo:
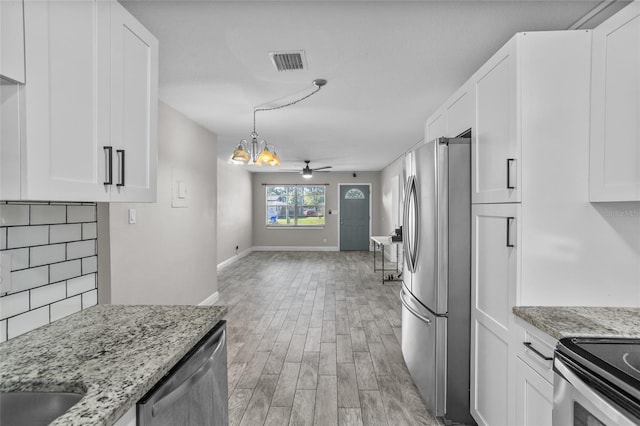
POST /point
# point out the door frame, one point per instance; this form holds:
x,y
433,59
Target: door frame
x,y
340,185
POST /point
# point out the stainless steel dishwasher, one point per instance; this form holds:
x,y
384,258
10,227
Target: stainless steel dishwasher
x,y
194,392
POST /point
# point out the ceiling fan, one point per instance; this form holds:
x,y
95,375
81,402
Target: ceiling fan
x,y
307,172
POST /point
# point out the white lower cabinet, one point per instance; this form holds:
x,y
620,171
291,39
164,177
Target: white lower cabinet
x,y
534,397
128,419
494,268
533,353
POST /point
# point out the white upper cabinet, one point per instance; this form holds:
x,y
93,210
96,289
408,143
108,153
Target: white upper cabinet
x,y
12,41
134,83
460,111
62,137
615,108
436,126
89,105
496,153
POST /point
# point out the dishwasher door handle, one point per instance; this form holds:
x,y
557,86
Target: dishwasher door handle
x,y
180,390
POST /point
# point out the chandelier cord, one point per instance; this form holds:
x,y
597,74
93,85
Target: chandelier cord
x,y
282,106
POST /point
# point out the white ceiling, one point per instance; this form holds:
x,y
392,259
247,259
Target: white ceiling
x,y
389,65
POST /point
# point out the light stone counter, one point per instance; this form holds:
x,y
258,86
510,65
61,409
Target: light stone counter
x,y
574,321
113,354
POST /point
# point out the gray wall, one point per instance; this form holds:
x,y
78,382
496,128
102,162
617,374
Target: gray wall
x,y
391,183
264,237
169,255
235,211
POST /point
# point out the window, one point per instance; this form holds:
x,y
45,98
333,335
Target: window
x,y
354,194
295,205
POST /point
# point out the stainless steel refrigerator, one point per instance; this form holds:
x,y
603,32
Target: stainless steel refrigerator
x,y
436,289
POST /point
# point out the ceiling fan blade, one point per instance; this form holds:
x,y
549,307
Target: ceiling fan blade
x,y
322,168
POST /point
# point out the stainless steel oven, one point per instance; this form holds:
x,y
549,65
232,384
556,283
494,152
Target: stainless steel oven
x,y
596,382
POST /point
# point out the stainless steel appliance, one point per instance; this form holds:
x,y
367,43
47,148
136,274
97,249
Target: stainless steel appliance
x,y
194,392
596,382
436,289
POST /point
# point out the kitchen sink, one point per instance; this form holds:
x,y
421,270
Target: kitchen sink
x,y
34,408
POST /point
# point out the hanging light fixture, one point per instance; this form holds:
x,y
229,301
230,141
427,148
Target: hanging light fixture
x,y
260,152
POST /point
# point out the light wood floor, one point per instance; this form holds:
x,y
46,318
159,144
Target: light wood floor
x,y
313,339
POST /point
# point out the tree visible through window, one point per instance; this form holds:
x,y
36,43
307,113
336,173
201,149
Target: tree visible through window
x,y
295,205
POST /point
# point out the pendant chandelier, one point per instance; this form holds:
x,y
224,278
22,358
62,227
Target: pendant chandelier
x,y
256,152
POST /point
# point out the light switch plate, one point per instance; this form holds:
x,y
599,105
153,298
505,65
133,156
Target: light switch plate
x,y
133,217
179,189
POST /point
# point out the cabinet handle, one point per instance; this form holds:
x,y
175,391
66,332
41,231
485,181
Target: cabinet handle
x,y
537,352
509,222
108,150
120,153
510,161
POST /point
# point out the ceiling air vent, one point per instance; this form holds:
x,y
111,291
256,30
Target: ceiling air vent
x,y
289,61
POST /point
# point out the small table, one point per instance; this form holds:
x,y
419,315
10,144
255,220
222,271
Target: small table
x,y
379,242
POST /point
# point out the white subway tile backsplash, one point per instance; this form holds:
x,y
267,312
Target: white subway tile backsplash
x,y
43,255
14,304
45,214
64,270
13,215
29,278
81,249
65,233
54,262
89,231
81,214
19,258
26,322
66,307
26,236
90,264
47,294
89,298
81,284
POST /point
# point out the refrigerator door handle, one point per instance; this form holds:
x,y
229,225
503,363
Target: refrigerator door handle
x,y
407,241
416,212
413,311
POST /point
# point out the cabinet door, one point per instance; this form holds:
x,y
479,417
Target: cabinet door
x,y
62,143
12,40
534,397
460,111
496,151
493,291
134,103
615,108
436,126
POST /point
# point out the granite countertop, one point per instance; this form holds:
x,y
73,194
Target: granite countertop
x,y
113,354
582,321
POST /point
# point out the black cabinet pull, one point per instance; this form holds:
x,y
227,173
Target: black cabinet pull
x,y
537,352
509,163
109,153
120,153
509,221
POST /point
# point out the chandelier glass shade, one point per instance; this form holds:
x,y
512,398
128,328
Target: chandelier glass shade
x,y
256,152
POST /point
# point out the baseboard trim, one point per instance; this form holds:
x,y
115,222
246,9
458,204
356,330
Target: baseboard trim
x,y
233,259
295,248
210,300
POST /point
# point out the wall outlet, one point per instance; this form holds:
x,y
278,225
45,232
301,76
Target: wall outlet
x,y
5,273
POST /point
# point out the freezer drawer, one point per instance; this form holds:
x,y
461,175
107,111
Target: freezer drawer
x,y
194,392
424,338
